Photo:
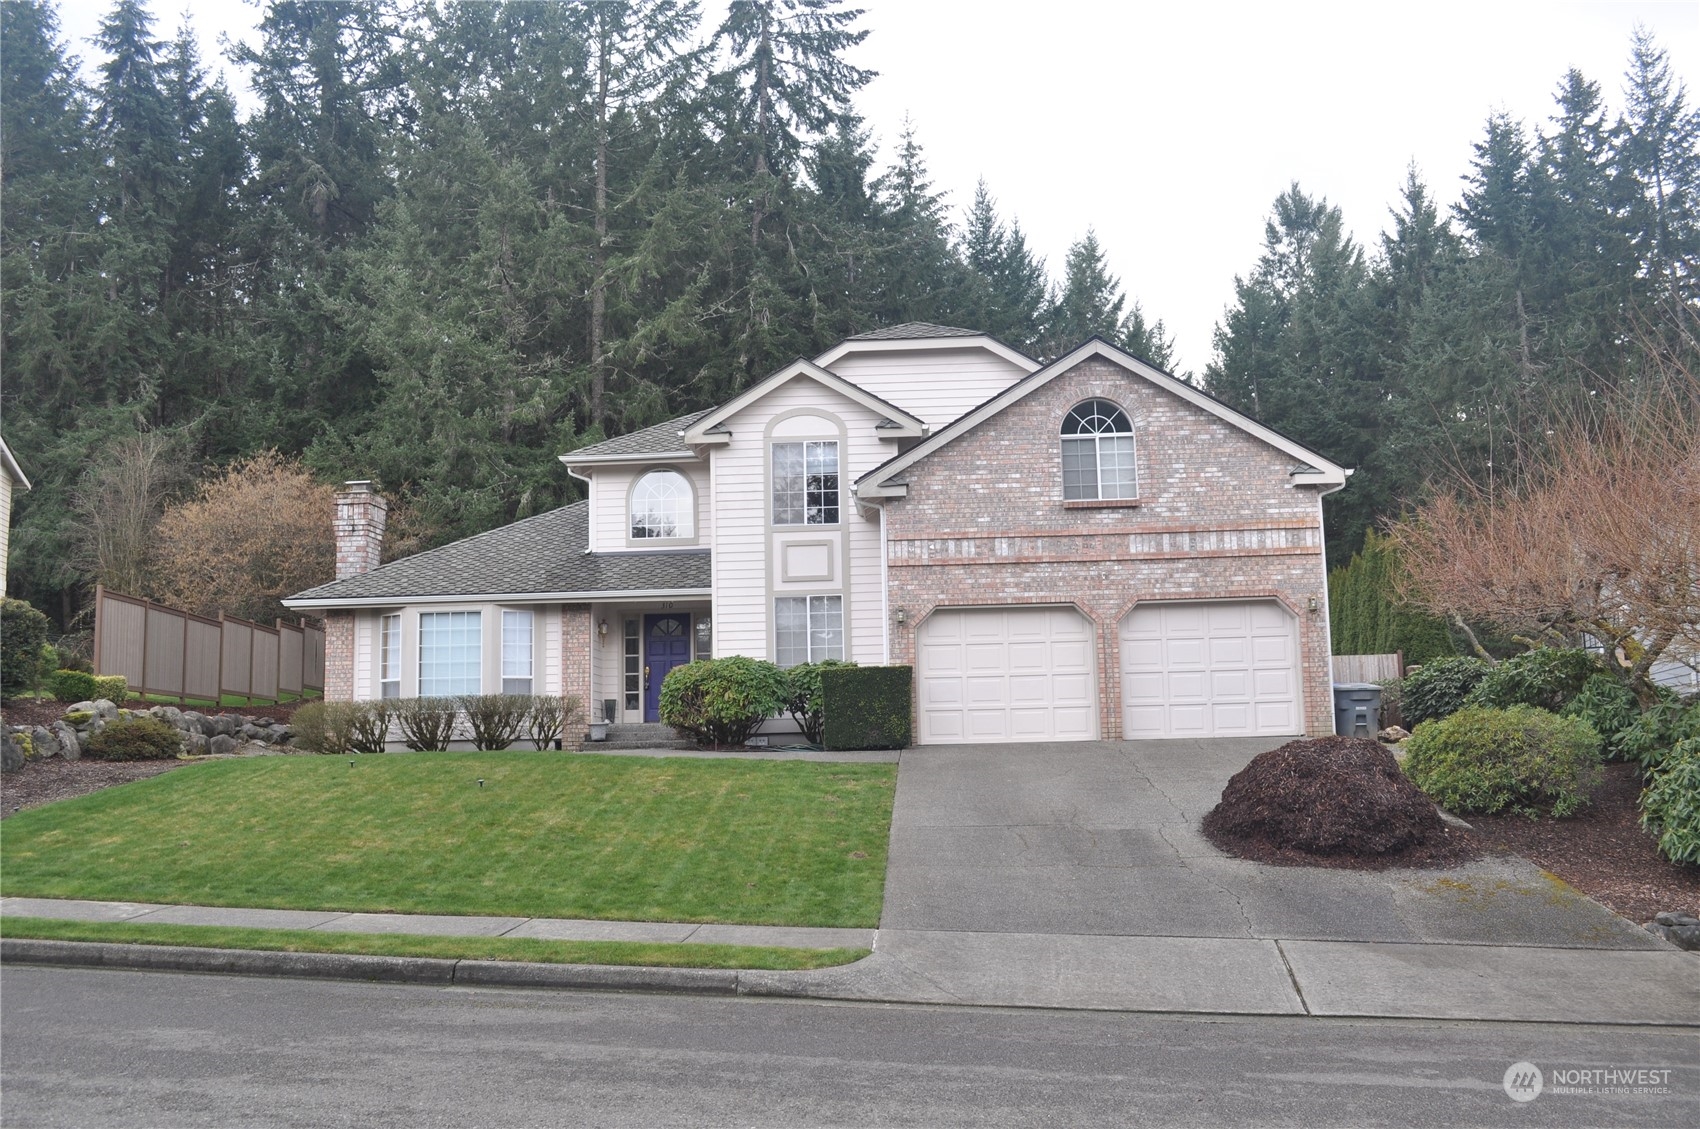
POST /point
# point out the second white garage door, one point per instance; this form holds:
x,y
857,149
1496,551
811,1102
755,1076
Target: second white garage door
x,y
1227,669
1006,674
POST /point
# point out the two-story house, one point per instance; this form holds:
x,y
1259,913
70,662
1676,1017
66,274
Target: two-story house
x,y
1085,549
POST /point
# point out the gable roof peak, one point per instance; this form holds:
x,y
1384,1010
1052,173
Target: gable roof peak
x,y
913,331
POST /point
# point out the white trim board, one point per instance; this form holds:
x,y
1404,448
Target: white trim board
x,y
918,344
703,431
505,598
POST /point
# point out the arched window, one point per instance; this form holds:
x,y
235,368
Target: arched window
x,y
661,506
1097,453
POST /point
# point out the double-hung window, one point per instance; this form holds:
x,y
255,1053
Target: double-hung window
x,y
1097,453
516,651
389,656
450,654
808,629
805,483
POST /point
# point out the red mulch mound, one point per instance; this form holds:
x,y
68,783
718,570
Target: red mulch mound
x,y
1333,801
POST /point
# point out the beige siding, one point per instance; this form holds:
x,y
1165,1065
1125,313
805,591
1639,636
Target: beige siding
x,y
610,489
549,622
365,657
937,385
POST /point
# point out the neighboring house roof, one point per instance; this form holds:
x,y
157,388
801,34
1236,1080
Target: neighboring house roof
x,y
1314,469
913,331
542,557
703,430
11,466
660,439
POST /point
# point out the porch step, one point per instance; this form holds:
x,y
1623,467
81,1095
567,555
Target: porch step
x,y
644,735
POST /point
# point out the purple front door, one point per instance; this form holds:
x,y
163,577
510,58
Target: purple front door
x,y
666,644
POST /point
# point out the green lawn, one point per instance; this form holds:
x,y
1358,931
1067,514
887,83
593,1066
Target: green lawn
x,y
546,835
448,948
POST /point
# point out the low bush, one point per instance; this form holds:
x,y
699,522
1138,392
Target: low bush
x,y
496,720
550,719
1670,807
1546,678
1520,759
867,707
112,687
369,726
1607,704
804,702
135,739
23,631
722,701
427,724
71,686
1658,729
1438,688
325,727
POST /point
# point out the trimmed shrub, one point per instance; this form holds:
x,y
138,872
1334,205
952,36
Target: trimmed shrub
x,y
805,705
1670,807
550,719
71,686
1521,759
496,720
867,707
426,724
113,687
369,726
1655,732
721,701
135,739
1546,678
325,727
1606,704
1439,688
23,632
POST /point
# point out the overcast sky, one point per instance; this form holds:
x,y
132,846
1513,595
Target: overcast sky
x,y
1170,127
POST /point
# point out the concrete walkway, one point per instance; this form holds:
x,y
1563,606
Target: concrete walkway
x,y
536,928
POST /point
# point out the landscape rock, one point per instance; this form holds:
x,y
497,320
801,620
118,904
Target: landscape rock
x,y
225,725
82,707
1680,929
11,756
44,742
221,744
171,715
195,744
69,748
82,741
1393,734
106,709
252,731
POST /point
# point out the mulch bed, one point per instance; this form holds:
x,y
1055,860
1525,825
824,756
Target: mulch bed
x,y
1602,851
44,781
1336,802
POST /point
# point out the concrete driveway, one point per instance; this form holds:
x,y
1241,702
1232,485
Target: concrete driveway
x,y
1101,838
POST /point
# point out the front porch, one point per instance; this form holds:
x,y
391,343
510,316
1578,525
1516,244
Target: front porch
x,y
633,644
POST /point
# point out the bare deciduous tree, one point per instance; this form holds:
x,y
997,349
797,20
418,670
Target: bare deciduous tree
x,y
256,533
1600,537
117,502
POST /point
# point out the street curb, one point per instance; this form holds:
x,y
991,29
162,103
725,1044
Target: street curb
x,y
351,966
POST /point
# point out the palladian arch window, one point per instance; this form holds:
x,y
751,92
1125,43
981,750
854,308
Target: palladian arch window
x,y
1097,453
661,506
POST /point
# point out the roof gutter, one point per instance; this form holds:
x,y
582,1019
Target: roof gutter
x,y
310,604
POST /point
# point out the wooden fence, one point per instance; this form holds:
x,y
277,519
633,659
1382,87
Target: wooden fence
x,y
177,654
1369,668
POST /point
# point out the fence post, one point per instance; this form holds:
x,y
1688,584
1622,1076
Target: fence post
x,y
99,602
218,695
1400,655
147,607
183,682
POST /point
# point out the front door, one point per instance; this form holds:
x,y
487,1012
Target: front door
x,y
666,644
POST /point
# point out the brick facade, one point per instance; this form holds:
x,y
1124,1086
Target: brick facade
x,y
984,523
339,656
575,661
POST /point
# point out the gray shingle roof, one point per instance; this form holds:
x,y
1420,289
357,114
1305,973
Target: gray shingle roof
x,y
913,331
542,554
655,440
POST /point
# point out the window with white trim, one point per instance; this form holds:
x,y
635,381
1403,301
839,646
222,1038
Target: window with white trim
x,y
1097,453
662,506
389,656
808,629
805,483
516,651
450,654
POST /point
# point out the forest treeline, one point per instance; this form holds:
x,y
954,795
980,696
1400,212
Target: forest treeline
x,y
453,240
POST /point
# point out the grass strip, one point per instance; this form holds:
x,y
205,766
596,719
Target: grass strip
x,y
447,948
513,834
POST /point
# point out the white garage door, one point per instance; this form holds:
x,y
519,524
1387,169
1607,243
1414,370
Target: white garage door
x,y
1210,670
1006,674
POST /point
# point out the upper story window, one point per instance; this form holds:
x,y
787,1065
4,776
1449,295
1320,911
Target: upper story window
x,y
805,483
1097,452
662,506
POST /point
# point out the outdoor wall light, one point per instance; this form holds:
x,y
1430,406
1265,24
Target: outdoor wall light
x,y
902,616
602,629
1313,604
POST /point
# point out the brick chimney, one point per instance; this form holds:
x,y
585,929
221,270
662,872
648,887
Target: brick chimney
x,y
360,515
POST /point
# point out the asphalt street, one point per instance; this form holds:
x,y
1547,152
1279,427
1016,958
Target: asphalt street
x,y
91,1048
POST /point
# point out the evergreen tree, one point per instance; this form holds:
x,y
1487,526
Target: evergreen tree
x,y
1659,153
1090,303
1015,298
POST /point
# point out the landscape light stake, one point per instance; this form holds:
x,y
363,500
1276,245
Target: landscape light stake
x,y
481,782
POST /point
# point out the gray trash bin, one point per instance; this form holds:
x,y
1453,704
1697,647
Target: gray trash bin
x,y
1357,709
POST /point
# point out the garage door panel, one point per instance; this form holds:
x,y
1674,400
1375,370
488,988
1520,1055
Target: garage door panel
x,y
1017,674
1210,667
